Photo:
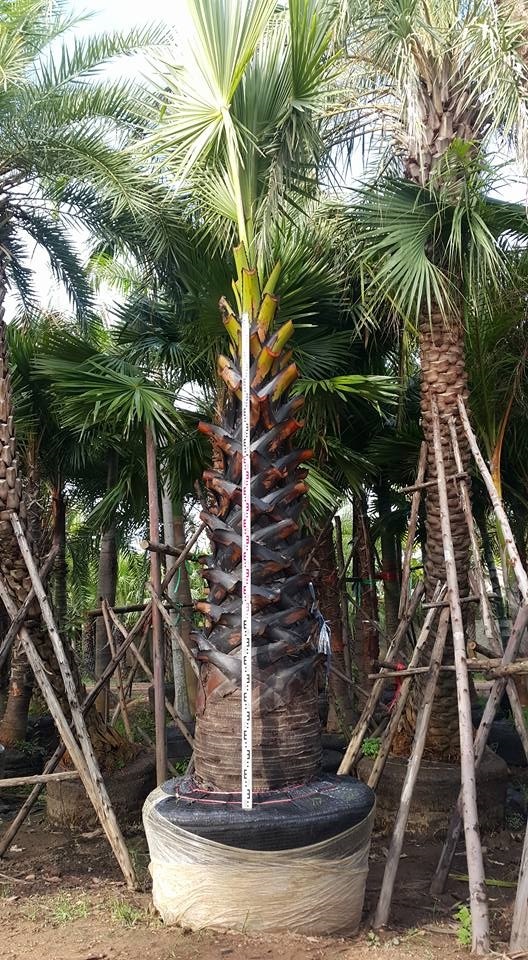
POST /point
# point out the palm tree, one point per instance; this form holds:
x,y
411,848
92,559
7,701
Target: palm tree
x,y
63,161
242,128
437,86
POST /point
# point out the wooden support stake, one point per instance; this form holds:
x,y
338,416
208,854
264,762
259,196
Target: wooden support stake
x,y
83,757
519,931
472,598
399,706
7,642
13,828
430,483
413,767
354,747
481,738
119,672
96,790
411,532
146,669
38,778
500,513
174,632
478,896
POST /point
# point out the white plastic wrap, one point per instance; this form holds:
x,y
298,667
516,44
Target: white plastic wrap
x,y
198,883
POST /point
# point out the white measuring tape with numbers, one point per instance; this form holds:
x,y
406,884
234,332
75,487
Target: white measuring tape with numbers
x,y
247,737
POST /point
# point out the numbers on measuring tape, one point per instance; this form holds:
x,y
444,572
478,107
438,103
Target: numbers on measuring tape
x,y
246,718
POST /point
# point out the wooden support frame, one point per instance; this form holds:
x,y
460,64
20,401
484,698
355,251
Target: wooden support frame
x,y
411,532
146,669
38,778
520,573
13,828
399,707
354,747
481,739
413,767
21,616
81,752
477,879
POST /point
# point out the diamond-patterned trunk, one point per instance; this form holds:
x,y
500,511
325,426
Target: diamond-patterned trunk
x,y
286,728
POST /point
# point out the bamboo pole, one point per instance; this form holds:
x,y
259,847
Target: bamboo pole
x,y
38,778
491,633
82,754
119,673
481,738
13,828
477,879
413,767
411,532
173,630
354,747
399,706
500,513
7,642
167,705
158,651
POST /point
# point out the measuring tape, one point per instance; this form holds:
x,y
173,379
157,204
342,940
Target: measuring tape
x,y
247,735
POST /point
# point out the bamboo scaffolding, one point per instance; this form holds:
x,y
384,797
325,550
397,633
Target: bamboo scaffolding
x,y
354,747
38,778
411,532
481,738
21,616
13,828
119,673
399,706
413,767
509,542
149,673
490,630
81,753
477,879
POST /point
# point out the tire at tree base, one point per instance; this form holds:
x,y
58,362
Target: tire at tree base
x,y
280,819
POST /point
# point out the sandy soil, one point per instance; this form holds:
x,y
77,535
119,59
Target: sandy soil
x,y
61,898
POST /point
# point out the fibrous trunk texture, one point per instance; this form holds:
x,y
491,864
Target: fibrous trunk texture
x,y
390,562
443,377
286,730
366,636
341,707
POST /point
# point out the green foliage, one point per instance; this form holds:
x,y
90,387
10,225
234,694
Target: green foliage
x,y
126,913
463,918
66,138
370,747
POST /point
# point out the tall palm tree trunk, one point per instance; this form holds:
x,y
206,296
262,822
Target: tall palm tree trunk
x,y
390,561
60,571
286,728
366,636
443,377
341,707
106,587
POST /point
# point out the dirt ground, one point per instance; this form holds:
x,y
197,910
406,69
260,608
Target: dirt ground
x,y
61,898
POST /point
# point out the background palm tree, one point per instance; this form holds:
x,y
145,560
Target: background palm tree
x,y
421,76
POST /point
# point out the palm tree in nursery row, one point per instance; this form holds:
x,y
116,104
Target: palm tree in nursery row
x,y
437,86
63,161
242,125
